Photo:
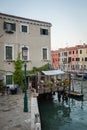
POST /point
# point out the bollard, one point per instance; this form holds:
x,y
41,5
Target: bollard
x,y
37,126
37,122
37,118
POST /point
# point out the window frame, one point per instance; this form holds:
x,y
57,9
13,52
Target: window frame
x,y
9,27
26,26
10,76
27,53
80,51
77,59
85,59
46,53
5,57
44,31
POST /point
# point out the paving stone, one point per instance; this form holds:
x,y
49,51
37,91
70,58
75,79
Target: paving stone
x,y
12,116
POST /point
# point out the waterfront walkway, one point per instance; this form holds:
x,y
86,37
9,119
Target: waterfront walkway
x,y
12,116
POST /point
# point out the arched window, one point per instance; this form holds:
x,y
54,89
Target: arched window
x,y
25,55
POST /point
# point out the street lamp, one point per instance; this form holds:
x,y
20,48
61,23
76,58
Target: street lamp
x,y
24,54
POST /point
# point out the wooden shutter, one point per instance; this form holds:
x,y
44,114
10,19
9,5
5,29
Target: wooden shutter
x,y
5,25
13,26
8,53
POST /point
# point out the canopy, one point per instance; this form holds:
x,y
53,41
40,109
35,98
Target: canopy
x,y
53,72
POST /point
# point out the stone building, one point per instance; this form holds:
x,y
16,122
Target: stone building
x,y
17,33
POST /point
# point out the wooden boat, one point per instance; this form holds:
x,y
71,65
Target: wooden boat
x,y
80,74
75,94
83,75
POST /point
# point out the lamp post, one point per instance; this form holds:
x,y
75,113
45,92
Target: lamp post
x,y
24,54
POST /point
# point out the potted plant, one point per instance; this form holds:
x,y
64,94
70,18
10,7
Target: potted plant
x,y
50,84
2,88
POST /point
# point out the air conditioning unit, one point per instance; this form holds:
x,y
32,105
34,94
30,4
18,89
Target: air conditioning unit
x,y
9,29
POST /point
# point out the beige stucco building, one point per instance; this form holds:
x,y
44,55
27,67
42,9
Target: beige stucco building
x,y
17,33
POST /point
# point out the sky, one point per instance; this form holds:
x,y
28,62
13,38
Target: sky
x,y
68,18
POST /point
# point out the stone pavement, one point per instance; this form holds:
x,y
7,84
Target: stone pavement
x,y
12,116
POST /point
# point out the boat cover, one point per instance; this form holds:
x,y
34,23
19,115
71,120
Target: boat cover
x,y
53,72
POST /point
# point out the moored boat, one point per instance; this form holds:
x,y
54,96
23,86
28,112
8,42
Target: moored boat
x,y
75,94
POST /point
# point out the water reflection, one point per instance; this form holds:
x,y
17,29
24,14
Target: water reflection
x,y
71,115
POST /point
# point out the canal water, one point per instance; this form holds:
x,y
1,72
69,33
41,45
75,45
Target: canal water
x,y
71,115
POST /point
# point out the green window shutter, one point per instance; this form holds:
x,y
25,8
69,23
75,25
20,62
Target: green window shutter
x,y
13,26
8,79
8,53
46,32
5,25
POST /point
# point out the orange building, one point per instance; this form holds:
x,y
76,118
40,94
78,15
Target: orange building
x,y
55,57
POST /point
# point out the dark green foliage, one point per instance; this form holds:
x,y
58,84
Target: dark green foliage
x,y
2,87
18,73
42,68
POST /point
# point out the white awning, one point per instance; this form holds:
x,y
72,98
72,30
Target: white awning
x,y
53,72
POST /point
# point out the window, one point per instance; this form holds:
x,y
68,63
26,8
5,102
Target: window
x,y
69,52
77,59
24,53
72,66
84,66
80,51
25,57
8,79
82,59
85,58
44,53
8,52
69,59
24,28
65,53
64,60
9,27
43,31
72,59
76,51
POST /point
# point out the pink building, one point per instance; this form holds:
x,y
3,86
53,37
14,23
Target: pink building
x,y
55,57
70,58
